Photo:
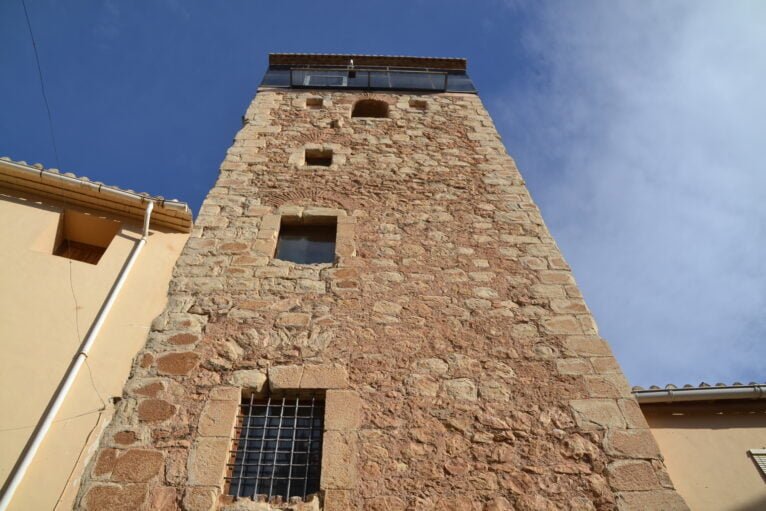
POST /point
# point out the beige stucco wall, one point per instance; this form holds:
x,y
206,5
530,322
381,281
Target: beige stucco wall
x,y
39,338
706,455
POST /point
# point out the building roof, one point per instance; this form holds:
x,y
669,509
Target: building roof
x,y
702,392
81,191
398,61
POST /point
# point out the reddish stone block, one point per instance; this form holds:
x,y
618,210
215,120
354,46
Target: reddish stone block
x,y
137,466
125,437
666,500
177,364
146,360
105,462
150,390
155,410
163,498
180,339
632,476
129,497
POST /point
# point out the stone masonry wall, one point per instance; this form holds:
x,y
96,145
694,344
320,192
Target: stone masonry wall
x,y
483,382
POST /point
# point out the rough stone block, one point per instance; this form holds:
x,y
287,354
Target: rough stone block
x,y
566,325
137,466
555,277
461,388
339,460
605,365
163,498
666,500
251,379
218,418
207,461
597,414
634,417
632,475
177,364
571,366
293,320
343,410
588,345
125,437
338,500
607,386
128,497
324,376
632,443
155,410
181,339
200,499
105,462
285,377
228,393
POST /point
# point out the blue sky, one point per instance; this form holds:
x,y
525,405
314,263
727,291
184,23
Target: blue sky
x,y
637,125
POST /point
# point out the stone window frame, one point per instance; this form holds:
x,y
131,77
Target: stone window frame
x,y
268,234
215,434
298,157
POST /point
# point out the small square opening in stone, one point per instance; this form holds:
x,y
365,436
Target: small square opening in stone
x,y
371,108
419,104
307,243
319,157
314,103
277,451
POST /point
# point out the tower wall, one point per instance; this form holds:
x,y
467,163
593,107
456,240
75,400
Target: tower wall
x,y
467,369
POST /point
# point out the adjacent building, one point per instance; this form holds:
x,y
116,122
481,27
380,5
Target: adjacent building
x,y
66,240
713,439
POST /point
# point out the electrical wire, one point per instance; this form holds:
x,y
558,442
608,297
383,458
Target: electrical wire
x,y
42,85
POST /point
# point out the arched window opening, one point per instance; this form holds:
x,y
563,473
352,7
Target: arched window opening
x,y
370,108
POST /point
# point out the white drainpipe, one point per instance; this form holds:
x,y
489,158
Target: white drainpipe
x,y
20,469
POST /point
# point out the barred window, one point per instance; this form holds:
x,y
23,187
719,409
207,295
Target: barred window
x,y
277,451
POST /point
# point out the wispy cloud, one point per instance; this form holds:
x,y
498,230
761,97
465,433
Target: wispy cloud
x,y
642,142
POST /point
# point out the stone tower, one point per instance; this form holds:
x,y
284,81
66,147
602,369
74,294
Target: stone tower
x,y
435,348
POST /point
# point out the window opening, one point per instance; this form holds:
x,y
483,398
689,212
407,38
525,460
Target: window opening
x,y
277,451
83,237
319,157
418,104
307,243
314,103
370,108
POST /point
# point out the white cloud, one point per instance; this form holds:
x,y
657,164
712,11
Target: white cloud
x,y
642,143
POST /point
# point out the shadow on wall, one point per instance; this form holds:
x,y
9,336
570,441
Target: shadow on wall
x,y
758,504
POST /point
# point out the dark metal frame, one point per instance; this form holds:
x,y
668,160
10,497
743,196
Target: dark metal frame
x,y
264,461
369,70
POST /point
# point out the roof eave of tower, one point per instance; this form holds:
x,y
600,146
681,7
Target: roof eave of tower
x,y
398,61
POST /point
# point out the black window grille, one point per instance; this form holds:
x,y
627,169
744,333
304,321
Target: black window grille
x,y
278,448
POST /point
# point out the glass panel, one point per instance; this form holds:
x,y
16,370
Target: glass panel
x,y
307,244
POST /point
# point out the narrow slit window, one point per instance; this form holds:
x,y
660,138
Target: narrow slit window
x,y
370,108
314,103
319,157
307,243
277,451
